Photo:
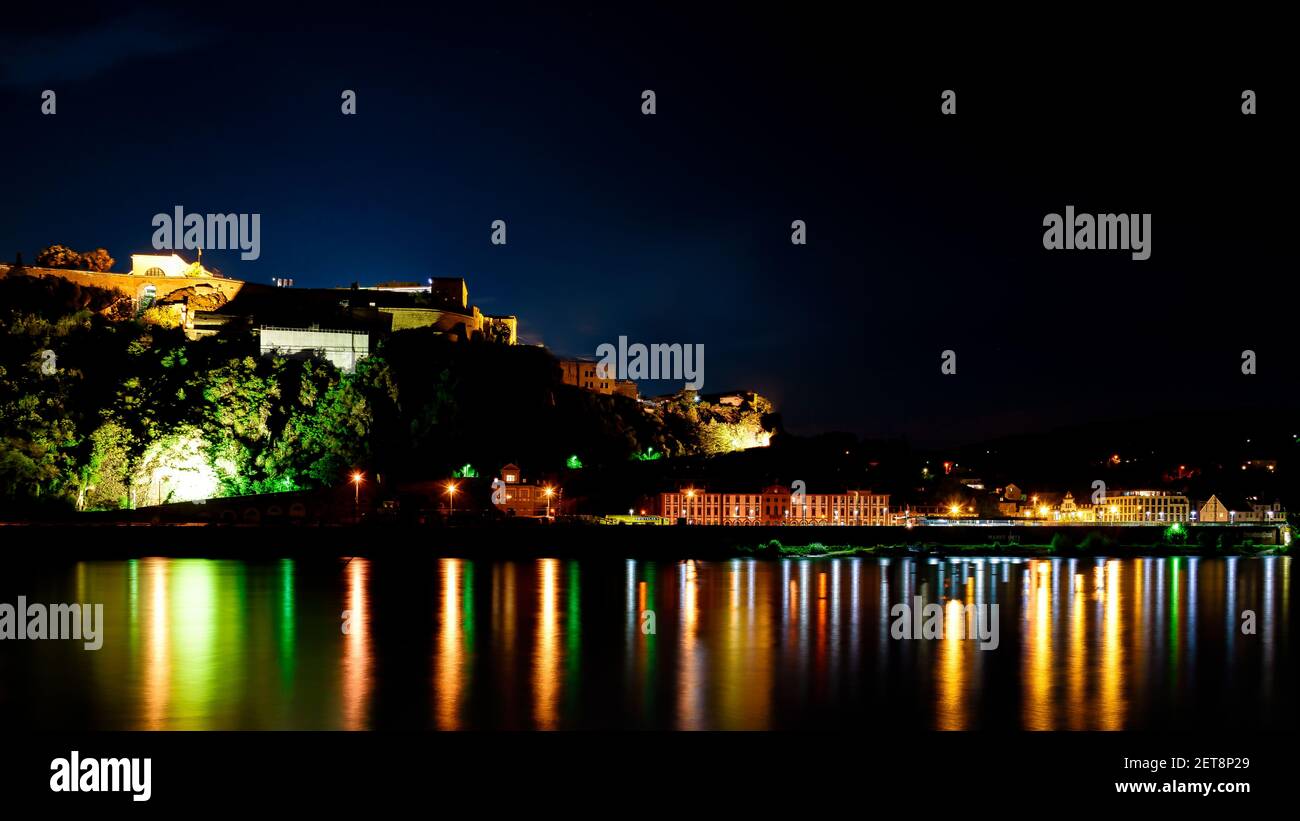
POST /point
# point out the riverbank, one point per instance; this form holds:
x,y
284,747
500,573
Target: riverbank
x,y
776,549
534,539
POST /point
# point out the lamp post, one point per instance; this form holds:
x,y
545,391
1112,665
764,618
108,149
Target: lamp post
x,y
548,493
451,495
356,496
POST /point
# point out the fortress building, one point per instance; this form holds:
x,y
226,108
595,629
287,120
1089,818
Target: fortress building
x,y
590,374
442,304
154,279
204,302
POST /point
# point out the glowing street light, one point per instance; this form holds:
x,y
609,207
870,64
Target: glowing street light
x,y
451,494
357,476
548,493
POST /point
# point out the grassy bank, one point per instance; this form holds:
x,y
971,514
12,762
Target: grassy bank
x,y
528,539
774,548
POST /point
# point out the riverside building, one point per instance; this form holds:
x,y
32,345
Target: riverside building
x,y
776,505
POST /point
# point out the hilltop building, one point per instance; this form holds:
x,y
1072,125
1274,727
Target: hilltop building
x,y
342,348
588,374
170,265
441,304
153,280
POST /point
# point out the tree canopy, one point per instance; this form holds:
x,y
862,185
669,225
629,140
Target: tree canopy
x,y
102,413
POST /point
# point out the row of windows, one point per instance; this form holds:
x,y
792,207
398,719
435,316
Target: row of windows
x,y
810,499
726,507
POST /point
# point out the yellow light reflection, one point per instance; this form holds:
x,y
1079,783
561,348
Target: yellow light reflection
x,y
546,659
951,708
450,657
1110,708
1075,709
689,714
157,646
357,651
1037,708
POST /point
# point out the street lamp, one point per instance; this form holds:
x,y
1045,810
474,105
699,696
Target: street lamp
x,y
548,493
356,496
451,495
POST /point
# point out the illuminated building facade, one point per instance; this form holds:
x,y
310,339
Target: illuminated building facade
x,y
1071,511
342,348
586,374
442,305
169,265
589,375
1144,506
776,505
1215,510
515,497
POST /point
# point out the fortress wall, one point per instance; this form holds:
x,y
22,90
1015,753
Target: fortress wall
x,y
134,285
444,321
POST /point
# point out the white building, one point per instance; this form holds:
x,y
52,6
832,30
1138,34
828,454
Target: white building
x,y
157,265
1216,510
342,348
1144,507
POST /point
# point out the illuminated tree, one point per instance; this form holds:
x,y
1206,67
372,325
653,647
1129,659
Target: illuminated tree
x,y
96,260
58,256
61,256
178,468
106,477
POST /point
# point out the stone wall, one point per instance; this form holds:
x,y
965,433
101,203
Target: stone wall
x,y
205,293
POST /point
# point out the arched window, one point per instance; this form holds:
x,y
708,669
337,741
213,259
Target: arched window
x,y
155,272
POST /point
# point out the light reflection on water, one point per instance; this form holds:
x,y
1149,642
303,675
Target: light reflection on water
x,y
1084,644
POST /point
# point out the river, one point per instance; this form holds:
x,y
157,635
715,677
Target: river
x,y
1081,644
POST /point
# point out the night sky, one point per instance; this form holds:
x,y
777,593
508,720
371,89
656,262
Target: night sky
x,y
924,231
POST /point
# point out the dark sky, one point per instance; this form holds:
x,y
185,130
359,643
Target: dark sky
x,y
925,232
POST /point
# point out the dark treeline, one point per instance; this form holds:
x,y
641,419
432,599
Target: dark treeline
x,y
99,413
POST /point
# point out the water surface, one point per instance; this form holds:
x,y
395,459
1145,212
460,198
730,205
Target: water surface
x,y
1083,644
